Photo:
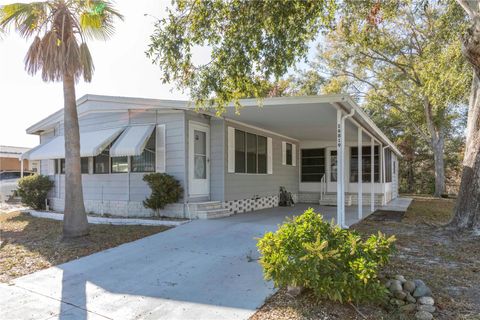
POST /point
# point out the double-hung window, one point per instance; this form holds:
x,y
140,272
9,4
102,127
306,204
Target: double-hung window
x,y
145,162
366,164
250,153
101,163
388,165
60,165
313,164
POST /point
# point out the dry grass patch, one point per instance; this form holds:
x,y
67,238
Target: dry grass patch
x,y
448,262
29,244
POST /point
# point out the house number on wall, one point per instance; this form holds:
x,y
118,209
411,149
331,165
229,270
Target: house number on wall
x,y
339,133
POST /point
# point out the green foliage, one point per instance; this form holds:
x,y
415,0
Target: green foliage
x,y
165,189
250,43
335,263
34,189
59,30
406,68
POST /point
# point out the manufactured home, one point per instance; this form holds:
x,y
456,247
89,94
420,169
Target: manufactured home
x,y
322,149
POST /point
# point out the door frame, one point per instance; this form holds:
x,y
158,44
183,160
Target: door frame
x,y
192,126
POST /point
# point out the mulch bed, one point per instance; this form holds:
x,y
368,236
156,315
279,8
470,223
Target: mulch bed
x,y
29,244
381,215
448,262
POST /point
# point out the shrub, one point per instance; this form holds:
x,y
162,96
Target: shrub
x,y
165,189
34,189
335,263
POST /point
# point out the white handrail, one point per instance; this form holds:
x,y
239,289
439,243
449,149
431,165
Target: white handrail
x,y
323,187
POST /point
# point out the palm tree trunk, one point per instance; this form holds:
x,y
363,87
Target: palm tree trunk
x,y
75,219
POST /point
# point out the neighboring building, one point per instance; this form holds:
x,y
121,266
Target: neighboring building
x,y
10,160
229,164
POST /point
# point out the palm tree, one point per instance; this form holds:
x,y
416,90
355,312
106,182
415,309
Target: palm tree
x,y
59,29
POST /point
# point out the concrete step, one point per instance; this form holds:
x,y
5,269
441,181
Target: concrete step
x,y
331,200
214,213
350,199
205,206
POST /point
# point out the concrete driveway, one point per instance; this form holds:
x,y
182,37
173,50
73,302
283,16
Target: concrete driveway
x,y
200,270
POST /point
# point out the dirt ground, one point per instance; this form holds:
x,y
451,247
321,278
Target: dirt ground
x,y
29,244
448,262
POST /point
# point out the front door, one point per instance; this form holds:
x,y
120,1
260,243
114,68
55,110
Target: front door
x,y
199,162
332,170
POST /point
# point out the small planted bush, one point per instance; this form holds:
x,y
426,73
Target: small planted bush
x,y
34,190
334,263
165,189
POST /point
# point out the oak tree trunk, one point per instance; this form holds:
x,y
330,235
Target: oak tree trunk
x,y
467,209
75,222
437,143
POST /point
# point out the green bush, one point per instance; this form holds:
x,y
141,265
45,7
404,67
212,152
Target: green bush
x,y
34,189
165,189
335,263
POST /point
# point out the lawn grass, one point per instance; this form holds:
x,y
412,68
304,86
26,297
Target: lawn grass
x,y
29,244
448,262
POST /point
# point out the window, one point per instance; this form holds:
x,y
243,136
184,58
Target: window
x,y
146,161
61,169
250,153
333,165
84,165
262,154
240,152
62,166
119,164
289,153
313,165
101,163
388,165
200,154
366,164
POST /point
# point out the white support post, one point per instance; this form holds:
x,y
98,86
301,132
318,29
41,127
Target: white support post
x,y
342,173
384,190
21,167
340,202
372,176
359,175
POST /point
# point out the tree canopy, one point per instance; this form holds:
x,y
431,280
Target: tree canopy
x,y
251,43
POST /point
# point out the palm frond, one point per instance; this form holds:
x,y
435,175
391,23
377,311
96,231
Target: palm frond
x,y
26,18
97,19
33,59
59,28
86,62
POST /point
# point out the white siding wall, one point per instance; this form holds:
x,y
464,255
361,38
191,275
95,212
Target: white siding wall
x,y
218,159
246,186
126,188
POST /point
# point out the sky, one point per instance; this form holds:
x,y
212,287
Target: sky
x,y
121,69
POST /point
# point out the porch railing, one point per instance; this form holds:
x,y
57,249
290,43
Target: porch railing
x,y
323,187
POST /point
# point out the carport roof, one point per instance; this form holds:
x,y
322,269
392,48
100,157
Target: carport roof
x,y
308,118
302,118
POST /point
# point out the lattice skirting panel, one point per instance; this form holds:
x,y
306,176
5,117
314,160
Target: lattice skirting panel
x,y
247,205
